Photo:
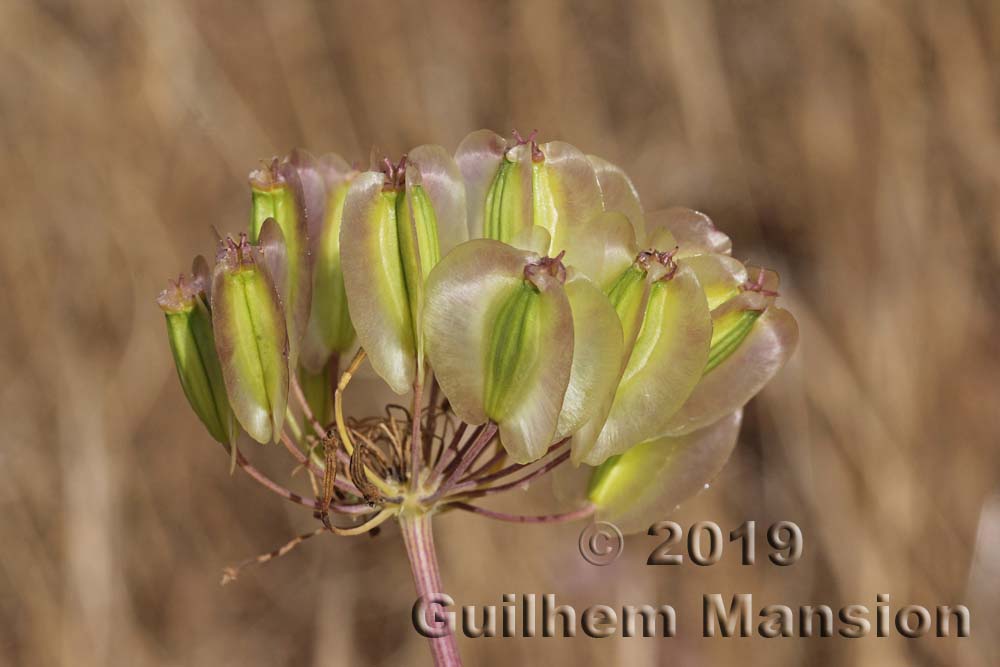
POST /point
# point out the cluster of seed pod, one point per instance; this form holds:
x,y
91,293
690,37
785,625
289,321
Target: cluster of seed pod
x,y
524,281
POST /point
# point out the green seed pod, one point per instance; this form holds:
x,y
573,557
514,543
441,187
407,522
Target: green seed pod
x,y
508,201
752,339
374,281
189,330
397,223
419,250
276,192
329,330
667,330
250,338
649,481
499,334
514,186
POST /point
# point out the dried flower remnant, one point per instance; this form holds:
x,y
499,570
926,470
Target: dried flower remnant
x,y
575,335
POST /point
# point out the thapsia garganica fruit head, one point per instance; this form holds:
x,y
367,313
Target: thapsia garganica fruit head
x,y
523,279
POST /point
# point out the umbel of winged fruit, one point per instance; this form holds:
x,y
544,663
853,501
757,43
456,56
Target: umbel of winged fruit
x,y
572,315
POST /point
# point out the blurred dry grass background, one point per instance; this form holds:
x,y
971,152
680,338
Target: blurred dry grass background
x,y
854,145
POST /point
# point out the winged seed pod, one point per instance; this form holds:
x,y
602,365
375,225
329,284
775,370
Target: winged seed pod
x,y
250,335
648,482
514,186
329,330
189,330
500,339
397,224
618,194
667,330
611,243
503,342
277,193
751,341
692,231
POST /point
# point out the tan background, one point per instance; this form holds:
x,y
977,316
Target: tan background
x,y
852,145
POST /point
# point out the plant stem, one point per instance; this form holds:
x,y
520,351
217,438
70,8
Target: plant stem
x,y
562,517
477,490
280,490
306,410
419,540
465,458
416,445
515,467
447,453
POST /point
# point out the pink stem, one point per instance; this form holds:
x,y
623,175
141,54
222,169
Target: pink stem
x,y
416,443
581,513
472,489
459,450
274,487
271,485
419,540
515,467
306,410
304,460
498,456
448,454
467,456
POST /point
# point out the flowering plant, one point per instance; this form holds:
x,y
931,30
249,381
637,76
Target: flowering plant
x,y
538,318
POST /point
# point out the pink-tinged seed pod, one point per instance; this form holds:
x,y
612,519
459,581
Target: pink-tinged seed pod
x,y
329,330
250,337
